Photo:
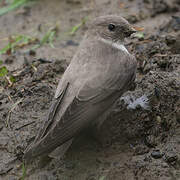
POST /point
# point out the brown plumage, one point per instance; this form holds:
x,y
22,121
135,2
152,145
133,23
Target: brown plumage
x,y
99,73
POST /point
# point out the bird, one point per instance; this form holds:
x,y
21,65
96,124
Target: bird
x,y
99,73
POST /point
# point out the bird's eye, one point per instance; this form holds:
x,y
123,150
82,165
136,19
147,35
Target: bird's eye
x,y
111,27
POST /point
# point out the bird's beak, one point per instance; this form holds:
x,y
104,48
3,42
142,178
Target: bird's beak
x,y
138,28
133,30
130,31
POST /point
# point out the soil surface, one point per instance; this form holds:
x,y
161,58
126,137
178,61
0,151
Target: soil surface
x,y
140,140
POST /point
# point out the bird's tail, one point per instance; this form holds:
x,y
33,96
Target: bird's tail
x,y
59,152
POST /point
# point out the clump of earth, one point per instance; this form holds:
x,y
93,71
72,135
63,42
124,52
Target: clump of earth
x,y
140,140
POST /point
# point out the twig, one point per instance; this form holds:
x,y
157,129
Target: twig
x,y
9,81
25,125
9,97
9,114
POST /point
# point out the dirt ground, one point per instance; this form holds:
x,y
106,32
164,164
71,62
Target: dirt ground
x,y
141,136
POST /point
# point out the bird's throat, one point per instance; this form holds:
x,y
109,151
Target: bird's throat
x,y
114,45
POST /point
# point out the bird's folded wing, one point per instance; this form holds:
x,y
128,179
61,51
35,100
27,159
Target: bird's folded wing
x,y
91,101
50,118
52,111
96,91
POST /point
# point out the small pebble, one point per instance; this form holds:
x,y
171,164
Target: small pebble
x,y
71,43
156,154
171,157
158,119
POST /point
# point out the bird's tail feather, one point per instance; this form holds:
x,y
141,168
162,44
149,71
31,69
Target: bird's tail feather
x,y
59,152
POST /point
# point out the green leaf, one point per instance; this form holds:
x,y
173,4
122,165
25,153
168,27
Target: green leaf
x,y
12,79
23,172
17,42
47,38
139,35
5,49
102,178
75,28
3,71
15,4
11,45
51,38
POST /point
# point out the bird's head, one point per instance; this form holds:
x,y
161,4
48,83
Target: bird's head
x,y
111,27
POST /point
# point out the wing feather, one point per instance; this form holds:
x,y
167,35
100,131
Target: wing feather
x,y
49,121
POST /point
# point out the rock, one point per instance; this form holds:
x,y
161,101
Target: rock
x,y
156,154
71,43
171,157
158,119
